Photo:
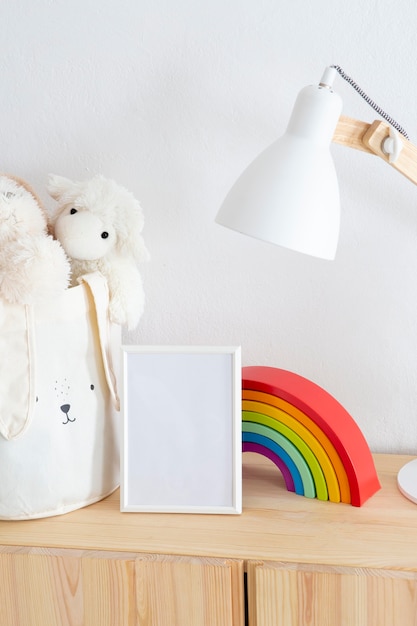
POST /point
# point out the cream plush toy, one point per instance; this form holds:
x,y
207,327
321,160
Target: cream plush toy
x,y
99,225
32,265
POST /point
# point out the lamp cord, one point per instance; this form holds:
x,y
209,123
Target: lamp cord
x,y
371,103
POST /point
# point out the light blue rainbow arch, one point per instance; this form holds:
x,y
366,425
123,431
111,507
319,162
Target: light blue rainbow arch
x,y
301,480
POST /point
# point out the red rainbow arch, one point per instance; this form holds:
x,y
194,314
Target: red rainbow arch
x,y
313,440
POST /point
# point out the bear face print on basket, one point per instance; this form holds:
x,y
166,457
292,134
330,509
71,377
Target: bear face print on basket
x,y
59,441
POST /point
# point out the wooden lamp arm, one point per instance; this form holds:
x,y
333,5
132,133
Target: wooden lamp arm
x,y
369,138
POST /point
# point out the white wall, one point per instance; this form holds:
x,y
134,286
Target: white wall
x,y
172,98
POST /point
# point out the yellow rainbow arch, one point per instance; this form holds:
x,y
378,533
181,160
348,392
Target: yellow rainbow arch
x,y
325,478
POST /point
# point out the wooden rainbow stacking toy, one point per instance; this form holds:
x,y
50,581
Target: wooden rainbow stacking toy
x,y
312,439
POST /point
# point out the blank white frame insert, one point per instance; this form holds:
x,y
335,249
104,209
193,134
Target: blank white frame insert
x,y
182,429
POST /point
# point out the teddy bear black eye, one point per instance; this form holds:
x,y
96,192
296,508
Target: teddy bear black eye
x,y
104,235
73,211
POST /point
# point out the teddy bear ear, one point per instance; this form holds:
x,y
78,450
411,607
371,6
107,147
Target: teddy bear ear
x,y
58,186
133,246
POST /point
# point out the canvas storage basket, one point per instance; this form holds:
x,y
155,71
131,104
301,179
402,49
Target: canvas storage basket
x,y
59,431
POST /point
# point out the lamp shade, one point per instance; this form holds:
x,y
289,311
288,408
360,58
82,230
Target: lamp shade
x,y
289,194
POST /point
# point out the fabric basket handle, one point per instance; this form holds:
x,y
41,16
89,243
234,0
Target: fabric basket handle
x,y
100,293
17,371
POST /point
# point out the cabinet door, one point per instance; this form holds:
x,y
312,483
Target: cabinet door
x,y
187,591
48,587
66,588
287,594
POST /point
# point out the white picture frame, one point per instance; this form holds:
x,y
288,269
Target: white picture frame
x,y
182,429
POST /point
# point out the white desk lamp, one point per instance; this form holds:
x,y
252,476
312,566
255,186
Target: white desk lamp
x,y
289,194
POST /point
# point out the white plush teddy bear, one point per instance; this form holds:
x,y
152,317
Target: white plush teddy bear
x,y
99,225
32,265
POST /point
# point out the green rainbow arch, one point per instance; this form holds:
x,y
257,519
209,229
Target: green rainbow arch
x,y
268,436
277,431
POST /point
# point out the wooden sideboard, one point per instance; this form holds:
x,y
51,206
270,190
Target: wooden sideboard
x,y
286,561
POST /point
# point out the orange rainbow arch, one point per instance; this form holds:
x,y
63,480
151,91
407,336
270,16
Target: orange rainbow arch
x,y
312,439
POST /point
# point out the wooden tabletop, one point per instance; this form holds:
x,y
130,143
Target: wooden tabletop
x,y
275,525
